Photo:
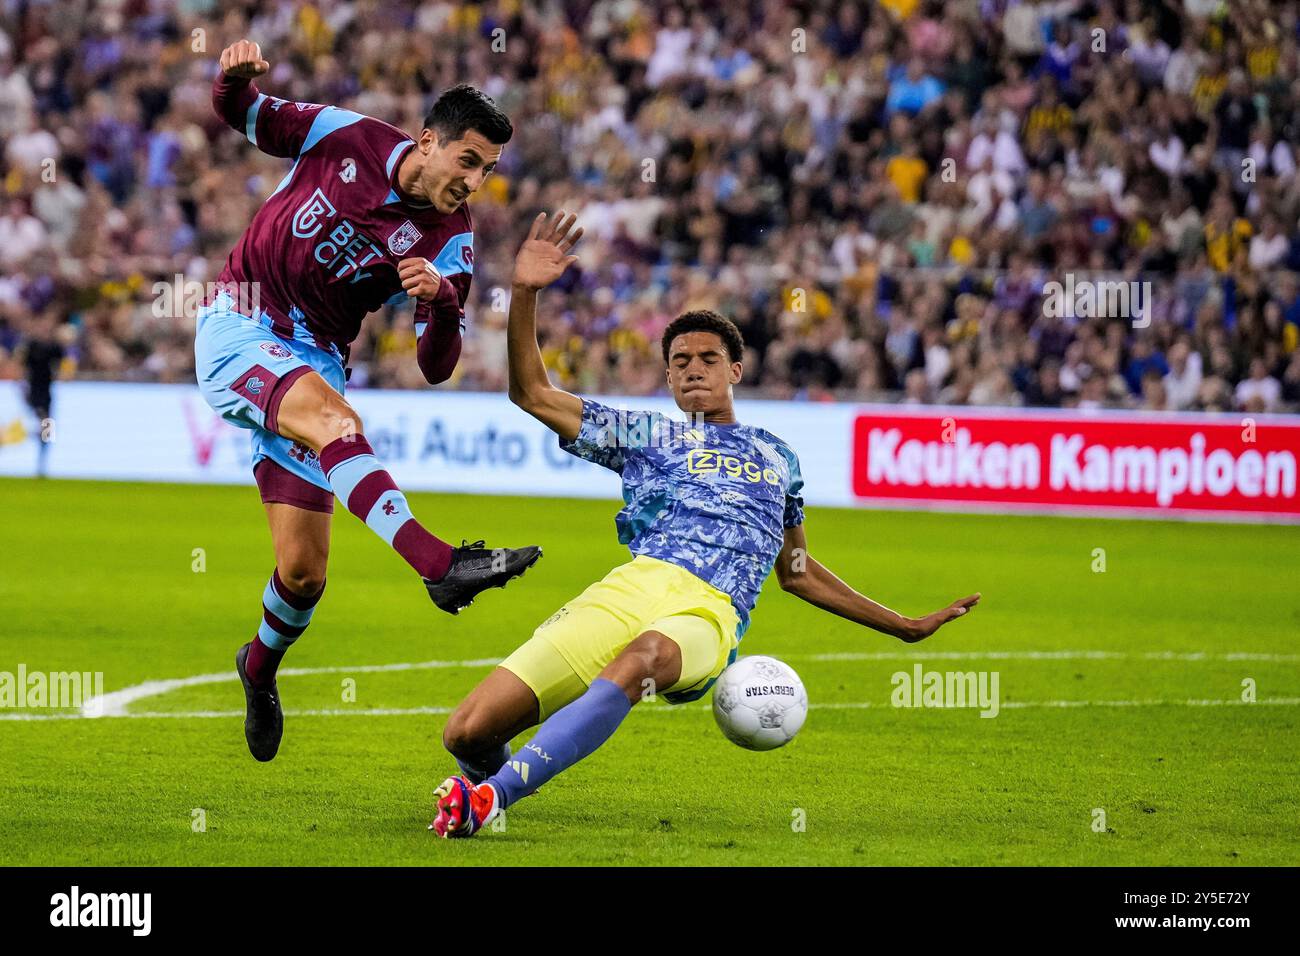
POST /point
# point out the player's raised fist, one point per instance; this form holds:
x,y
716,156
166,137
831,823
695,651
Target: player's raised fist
x,y
243,59
545,253
419,278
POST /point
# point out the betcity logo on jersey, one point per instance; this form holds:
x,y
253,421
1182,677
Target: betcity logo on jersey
x,y
345,251
311,215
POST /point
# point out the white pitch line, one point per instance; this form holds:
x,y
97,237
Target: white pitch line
x,y
854,705
224,714
1024,704
1045,656
114,704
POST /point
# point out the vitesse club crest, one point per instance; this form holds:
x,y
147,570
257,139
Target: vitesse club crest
x,y
405,236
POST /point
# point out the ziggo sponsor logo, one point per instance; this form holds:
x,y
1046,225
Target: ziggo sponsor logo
x,y
709,461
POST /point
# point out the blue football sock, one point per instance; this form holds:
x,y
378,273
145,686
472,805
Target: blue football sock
x,y
567,736
482,766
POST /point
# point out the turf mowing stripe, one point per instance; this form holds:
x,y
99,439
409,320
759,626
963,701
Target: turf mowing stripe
x,y
857,705
114,704
1021,704
1044,656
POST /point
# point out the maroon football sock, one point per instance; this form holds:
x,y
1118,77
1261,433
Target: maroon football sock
x,y
369,492
261,663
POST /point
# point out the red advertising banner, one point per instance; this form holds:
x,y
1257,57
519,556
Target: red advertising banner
x,y
1243,467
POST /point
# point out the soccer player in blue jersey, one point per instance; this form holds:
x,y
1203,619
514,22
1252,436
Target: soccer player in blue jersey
x,y
366,216
711,506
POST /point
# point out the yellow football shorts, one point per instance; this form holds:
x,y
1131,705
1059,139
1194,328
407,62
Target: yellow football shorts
x,y
571,647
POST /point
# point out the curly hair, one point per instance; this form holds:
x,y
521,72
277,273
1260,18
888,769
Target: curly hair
x,y
706,320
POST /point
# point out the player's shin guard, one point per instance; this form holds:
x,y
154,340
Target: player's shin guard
x,y
369,492
481,766
570,734
285,616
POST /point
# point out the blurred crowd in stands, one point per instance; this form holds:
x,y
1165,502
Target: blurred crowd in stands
x,y
878,193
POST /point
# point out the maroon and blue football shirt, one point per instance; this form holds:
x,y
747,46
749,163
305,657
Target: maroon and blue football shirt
x,y
324,247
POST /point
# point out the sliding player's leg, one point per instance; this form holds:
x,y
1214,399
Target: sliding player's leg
x,y
651,660
573,733
554,667
317,416
647,627
479,730
527,688
301,537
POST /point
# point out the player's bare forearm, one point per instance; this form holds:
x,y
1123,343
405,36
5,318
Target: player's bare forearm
x,y
821,588
542,259
806,578
530,385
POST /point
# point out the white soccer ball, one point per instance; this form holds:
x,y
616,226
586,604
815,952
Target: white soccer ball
x,y
759,703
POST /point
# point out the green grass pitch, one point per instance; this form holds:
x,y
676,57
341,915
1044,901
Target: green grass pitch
x,y
1121,694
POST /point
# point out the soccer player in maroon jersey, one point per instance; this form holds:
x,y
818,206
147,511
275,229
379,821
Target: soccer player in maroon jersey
x,y
366,216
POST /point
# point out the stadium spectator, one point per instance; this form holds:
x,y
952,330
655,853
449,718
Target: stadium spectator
x,y
1260,392
879,201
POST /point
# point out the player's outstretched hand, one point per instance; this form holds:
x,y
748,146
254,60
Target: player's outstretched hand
x,y
243,59
545,253
923,627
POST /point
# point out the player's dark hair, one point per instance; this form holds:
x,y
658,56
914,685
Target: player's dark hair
x,y
462,108
706,320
